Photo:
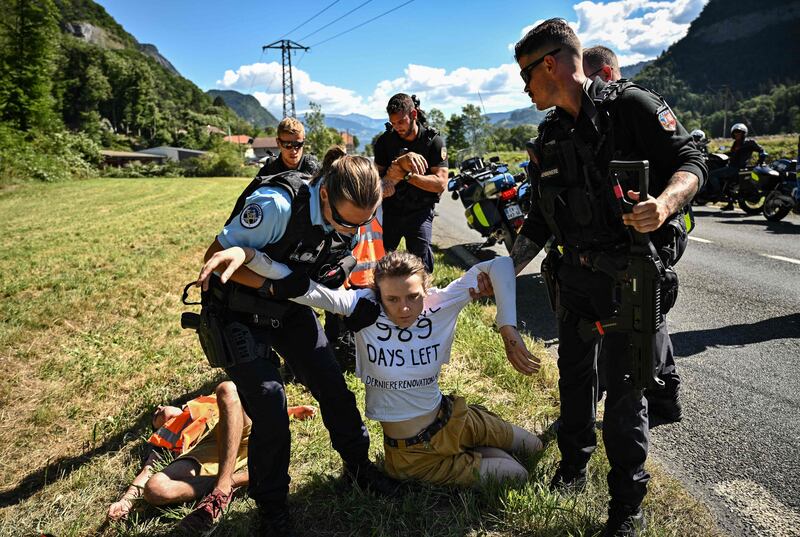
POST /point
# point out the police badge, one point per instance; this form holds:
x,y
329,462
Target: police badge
x,y
251,216
667,119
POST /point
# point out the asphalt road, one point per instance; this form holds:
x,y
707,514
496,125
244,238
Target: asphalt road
x,y
736,333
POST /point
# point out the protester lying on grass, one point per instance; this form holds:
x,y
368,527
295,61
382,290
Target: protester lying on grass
x,y
209,436
404,334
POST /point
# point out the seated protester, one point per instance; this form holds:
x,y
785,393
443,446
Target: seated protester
x,y
402,341
209,436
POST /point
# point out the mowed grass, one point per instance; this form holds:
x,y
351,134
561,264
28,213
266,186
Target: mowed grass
x,y
90,342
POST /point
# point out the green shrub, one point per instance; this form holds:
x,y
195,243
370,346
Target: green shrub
x,y
57,156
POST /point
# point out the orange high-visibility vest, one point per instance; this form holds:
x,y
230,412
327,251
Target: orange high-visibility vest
x,y
180,433
367,253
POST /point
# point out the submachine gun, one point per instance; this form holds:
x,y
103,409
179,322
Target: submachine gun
x,y
637,274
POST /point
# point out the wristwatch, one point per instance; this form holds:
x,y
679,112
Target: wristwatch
x,y
407,176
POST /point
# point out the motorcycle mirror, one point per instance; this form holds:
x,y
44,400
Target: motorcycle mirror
x,y
494,159
451,174
454,195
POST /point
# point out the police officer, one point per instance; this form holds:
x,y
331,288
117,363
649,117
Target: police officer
x,y
291,137
601,62
412,159
740,152
663,404
591,125
309,227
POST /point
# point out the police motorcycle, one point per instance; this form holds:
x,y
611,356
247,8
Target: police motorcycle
x,y
524,189
782,197
746,189
490,198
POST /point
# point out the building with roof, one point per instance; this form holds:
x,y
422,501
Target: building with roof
x,y
175,154
125,158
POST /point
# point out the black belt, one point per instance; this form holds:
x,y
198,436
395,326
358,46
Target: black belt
x,y
425,435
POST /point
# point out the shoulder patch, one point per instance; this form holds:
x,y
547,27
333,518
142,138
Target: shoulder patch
x,y
667,119
444,153
251,216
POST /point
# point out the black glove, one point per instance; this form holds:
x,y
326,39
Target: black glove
x,y
334,276
294,285
365,314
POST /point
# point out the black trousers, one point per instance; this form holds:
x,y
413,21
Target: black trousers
x,y
588,295
667,371
301,341
416,227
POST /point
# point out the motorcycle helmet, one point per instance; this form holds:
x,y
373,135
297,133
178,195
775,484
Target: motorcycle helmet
x,y
698,136
739,127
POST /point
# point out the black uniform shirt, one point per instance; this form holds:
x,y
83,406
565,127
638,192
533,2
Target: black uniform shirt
x,y
308,165
389,146
741,155
642,128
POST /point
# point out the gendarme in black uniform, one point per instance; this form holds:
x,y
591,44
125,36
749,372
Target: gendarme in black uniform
x,y
624,123
409,212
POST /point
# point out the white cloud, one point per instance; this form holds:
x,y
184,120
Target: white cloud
x,y
635,29
499,87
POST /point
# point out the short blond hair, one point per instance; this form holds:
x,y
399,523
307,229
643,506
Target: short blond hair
x,y
290,125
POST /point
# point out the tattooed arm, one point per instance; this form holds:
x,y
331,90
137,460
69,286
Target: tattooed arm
x,y
523,252
650,214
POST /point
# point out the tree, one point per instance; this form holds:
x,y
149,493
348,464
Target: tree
x,y
437,121
319,137
476,127
28,45
356,142
456,136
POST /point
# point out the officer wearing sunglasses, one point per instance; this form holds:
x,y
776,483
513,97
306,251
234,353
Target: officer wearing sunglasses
x,y
575,200
291,138
307,223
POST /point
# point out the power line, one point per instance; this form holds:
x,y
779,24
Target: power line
x,y
335,20
363,23
310,18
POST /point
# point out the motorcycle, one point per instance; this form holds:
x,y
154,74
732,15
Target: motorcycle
x,y
490,198
524,190
781,198
747,189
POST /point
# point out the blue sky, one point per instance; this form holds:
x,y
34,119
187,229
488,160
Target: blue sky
x,y
450,53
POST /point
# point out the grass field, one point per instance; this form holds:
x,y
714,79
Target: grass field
x,y
90,278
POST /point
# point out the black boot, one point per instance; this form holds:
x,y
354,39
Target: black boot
x,y
624,521
367,477
568,480
274,520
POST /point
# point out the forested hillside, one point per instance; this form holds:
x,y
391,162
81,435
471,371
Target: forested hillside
x,y
68,70
739,61
246,106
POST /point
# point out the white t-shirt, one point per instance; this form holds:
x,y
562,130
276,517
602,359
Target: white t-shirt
x,y
400,366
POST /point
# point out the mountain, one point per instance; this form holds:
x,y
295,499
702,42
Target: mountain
x,y
630,71
246,107
520,116
747,47
739,62
123,92
364,127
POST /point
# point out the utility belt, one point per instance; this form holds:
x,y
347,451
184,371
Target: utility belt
x,y
425,435
223,323
612,260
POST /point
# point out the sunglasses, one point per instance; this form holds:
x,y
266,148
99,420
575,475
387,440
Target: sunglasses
x,y
287,144
525,73
349,225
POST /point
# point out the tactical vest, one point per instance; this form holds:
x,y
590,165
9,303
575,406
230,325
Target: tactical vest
x,y
367,252
182,432
407,197
304,246
576,198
